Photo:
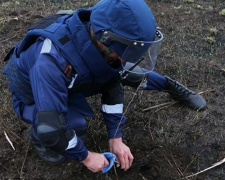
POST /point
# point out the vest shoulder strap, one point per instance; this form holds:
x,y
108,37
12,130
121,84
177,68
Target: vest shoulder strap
x,y
54,28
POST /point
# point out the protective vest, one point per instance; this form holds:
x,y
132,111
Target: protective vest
x,y
71,36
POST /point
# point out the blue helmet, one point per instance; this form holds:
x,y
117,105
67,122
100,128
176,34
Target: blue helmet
x,y
126,26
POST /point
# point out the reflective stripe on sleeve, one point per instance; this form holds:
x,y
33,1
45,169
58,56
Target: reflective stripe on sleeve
x,y
110,109
72,142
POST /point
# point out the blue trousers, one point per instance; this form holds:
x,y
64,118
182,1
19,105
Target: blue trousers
x,y
156,81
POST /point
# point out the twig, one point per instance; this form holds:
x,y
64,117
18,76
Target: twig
x,y
194,159
171,103
124,115
9,140
149,128
179,172
163,107
178,169
21,170
11,132
144,178
159,105
114,167
128,107
206,91
217,67
3,40
214,165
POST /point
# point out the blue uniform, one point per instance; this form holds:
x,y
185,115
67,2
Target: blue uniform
x,y
38,83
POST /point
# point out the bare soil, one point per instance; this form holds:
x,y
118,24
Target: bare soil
x,y
168,142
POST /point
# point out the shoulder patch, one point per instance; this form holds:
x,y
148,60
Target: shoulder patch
x,y
46,47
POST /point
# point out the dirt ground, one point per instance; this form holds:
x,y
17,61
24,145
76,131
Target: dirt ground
x,y
168,142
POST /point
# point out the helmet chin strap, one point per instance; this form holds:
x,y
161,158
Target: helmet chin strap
x,y
106,51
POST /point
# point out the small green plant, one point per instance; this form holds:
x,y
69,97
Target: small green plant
x,y
189,1
222,13
206,20
162,14
177,7
85,5
6,4
210,8
210,39
213,31
17,2
199,7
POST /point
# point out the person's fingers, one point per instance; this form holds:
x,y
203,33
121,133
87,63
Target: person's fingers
x,y
128,158
127,163
125,160
106,162
131,158
122,162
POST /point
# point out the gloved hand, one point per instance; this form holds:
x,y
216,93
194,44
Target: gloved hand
x,y
111,158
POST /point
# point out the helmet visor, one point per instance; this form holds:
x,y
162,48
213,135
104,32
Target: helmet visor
x,y
144,53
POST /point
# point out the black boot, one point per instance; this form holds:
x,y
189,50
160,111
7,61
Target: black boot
x,y
181,93
45,153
